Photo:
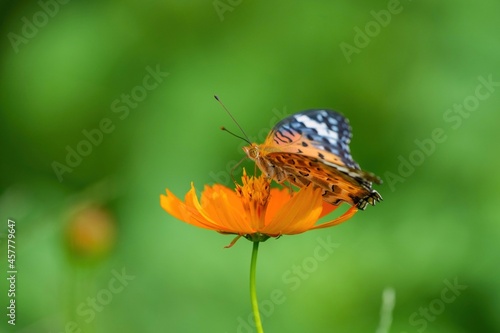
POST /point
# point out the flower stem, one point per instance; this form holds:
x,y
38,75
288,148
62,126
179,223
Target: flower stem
x,y
253,289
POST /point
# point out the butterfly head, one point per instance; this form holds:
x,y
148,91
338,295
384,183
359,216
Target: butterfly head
x,y
255,153
252,151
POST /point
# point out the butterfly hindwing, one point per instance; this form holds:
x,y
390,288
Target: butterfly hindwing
x,y
301,170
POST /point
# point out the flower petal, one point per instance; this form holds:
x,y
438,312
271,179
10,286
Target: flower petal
x,y
183,211
344,217
298,215
192,212
226,209
277,199
328,208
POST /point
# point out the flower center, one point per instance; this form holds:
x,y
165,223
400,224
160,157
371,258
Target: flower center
x,y
254,194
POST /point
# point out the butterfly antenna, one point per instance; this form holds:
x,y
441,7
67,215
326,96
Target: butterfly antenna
x,y
236,135
230,115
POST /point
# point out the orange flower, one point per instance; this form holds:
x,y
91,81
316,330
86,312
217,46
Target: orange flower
x,y
253,210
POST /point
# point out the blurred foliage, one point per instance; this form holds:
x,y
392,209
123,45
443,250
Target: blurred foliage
x,y
67,83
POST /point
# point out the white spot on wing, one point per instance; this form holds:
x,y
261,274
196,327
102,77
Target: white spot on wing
x,y
322,128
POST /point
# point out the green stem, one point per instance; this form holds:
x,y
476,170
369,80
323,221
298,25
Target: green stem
x,y
253,289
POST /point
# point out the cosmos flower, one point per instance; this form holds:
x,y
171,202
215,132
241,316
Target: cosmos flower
x,y
254,209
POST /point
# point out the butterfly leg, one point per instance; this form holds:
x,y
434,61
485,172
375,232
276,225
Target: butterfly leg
x,y
371,199
234,168
289,186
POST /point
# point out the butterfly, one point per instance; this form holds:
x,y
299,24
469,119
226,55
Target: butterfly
x,y
313,147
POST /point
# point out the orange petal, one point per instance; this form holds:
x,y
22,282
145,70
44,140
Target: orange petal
x,y
225,207
344,217
327,208
175,207
190,212
209,191
298,215
277,199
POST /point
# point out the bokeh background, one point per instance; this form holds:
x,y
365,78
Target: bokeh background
x,y
69,71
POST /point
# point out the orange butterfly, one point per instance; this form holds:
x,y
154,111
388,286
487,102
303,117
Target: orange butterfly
x,y
313,147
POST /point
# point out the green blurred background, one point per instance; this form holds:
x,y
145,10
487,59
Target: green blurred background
x,y
66,70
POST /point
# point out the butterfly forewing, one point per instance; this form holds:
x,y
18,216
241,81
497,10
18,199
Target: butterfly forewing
x,y
323,133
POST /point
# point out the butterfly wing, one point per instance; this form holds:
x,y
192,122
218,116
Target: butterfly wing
x,y
313,146
337,186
